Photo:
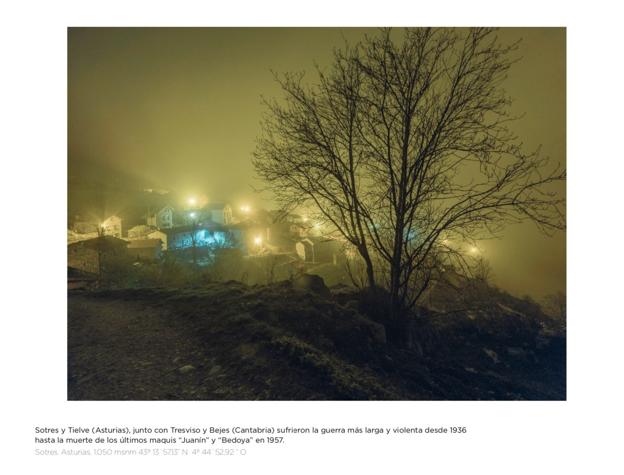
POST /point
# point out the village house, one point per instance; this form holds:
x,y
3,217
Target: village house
x,y
140,232
220,213
161,235
145,249
251,238
94,255
111,226
317,250
216,213
297,229
82,230
161,219
84,227
73,236
175,228
200,235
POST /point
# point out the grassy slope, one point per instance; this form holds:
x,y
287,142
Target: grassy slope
x,y
273,342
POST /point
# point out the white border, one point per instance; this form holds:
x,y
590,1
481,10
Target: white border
x,y
580,434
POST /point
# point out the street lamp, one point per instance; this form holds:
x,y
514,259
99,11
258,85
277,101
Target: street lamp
x,y
192,215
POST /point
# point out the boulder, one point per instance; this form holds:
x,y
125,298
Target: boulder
x,y
492,355
312,283
378,333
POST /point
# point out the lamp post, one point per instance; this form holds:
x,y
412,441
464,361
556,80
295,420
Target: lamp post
x,y
100,243
258,243
193,215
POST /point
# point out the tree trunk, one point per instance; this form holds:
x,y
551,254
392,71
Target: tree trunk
x,y
399,332
396,310
370,273
193,242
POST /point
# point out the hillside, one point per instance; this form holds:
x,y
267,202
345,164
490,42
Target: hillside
x,y
232,341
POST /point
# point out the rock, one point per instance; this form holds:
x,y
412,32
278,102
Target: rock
x,y
312,283
492,354
186,368
214,370
378,333
516,352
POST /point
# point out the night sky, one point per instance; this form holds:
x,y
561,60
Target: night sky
x,y
180,108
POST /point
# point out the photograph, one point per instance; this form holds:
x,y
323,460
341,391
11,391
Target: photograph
x,y
316,213
329,237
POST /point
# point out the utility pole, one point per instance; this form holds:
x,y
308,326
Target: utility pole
x,y
194,237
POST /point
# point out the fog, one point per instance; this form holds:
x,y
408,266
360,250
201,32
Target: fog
x,y
179,109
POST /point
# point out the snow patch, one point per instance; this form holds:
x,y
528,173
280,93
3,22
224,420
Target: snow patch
x,y
510,310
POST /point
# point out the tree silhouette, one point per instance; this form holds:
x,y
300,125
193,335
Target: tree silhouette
x,y
404,146
311,152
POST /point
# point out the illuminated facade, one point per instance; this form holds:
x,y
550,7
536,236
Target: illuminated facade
x,y
220,213
111,226
161,219
185,237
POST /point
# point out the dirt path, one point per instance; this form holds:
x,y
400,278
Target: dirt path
x,y
124,350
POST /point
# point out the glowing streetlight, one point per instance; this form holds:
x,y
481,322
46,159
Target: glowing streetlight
x,y
192,201
474,250
245,209
192,215
258,240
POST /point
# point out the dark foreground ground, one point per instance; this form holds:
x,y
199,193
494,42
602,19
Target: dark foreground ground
x,y
230,341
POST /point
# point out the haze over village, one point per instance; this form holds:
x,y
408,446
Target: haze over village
x,y
195,230
178,110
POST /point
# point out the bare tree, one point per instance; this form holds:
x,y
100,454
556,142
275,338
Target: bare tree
x,y
436,126
405,147
311,153
194,241
482,270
